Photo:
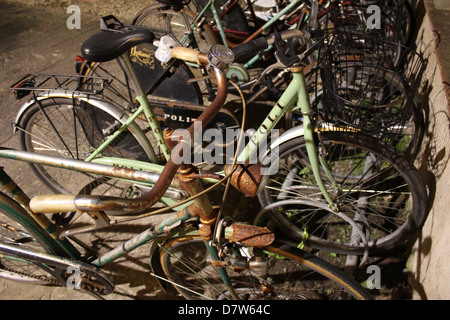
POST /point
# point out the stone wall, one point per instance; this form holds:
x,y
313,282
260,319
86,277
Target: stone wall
x,y
429,260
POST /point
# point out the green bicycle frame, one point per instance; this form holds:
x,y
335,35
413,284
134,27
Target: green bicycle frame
x,y
154,124
295,92
218,22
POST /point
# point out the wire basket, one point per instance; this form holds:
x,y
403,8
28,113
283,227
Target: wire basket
x,y
367,84
381,18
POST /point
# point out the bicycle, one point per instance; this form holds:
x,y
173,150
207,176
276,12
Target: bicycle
x,y
357,134
226,253
358,16
412,189
189,29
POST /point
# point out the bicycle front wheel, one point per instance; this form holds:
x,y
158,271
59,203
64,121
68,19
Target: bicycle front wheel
x,y
17,229
370,184
278,272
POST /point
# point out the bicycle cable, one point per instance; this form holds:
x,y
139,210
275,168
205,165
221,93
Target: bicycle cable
x,y
244,115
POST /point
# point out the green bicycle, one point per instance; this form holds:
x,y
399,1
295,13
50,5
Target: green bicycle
x,y
199,253
351,173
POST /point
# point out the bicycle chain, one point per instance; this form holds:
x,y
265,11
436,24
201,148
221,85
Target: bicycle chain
x,y
86,282
40,278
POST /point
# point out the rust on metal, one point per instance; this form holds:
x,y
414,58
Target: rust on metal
x,y
249,235
205,232
246,178
143,203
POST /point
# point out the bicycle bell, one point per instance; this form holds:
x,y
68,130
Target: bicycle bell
x,y
220,56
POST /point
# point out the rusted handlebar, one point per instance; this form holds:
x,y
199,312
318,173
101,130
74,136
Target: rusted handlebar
x,y
54,203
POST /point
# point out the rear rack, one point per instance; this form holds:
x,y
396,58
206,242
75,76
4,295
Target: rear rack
x,y
70,83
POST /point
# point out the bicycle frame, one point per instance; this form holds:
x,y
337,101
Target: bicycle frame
x,y
170,227
295,92
210,5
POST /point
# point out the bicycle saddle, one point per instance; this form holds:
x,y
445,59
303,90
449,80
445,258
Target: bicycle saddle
x,y
105,46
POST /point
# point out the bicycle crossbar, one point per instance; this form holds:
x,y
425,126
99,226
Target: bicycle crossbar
x,y
137,176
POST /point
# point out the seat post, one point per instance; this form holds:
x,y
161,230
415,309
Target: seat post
x,y
129,70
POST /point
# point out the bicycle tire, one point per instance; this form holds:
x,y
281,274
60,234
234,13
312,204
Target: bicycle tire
x,y
172,22
233,20
282,258
16,228
389,195
77,128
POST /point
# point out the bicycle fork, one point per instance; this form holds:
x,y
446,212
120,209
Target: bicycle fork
x,y
315,159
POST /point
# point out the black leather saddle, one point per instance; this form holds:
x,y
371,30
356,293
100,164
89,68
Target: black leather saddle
x,y
105,46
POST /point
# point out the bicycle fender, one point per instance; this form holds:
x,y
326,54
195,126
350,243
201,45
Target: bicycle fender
x,y
292,133
286,136
63,94
105,106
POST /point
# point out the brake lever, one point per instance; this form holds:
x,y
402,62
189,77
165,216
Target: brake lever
x,y
277,65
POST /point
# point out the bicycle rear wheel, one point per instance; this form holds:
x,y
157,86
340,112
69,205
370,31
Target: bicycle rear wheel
x,y
159,17
278,272
373,185
73,129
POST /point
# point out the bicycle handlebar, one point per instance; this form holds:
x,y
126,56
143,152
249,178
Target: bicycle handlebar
x,y
242,52
247,50
187,55
86,203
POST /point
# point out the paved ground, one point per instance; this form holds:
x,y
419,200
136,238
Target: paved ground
x,y
36,39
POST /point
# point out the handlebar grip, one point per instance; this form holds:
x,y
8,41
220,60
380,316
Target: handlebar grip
x,y
53,203
247,50
186,54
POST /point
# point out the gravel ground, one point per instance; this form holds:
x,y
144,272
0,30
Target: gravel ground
x,y
122,9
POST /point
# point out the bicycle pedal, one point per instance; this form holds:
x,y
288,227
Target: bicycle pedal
x,y
250,235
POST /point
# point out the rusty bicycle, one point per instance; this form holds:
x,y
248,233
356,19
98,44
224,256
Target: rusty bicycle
x,y
197,251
